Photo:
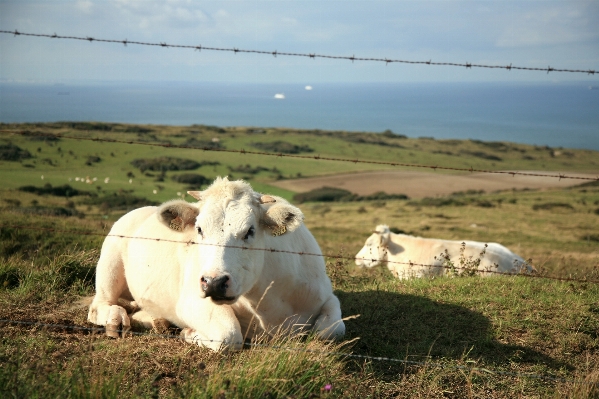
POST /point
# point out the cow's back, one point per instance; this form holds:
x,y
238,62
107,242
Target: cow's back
x,y
429,251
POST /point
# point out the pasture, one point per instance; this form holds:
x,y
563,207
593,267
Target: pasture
x,y
448,337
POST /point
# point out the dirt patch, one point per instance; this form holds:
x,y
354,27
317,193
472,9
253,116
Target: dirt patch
x,y
425,184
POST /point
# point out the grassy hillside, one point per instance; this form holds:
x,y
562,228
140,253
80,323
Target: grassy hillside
x,y
61,161
507,328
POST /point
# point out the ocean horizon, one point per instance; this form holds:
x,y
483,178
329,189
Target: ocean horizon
x,y
545,114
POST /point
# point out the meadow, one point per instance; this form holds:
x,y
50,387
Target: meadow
x,y
500,337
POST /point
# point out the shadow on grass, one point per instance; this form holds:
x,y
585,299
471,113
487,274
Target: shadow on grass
x,y
410,327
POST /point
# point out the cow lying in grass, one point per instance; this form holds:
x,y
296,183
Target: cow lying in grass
x,y
202,267
408,256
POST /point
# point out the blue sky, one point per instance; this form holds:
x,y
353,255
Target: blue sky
x,y
560,34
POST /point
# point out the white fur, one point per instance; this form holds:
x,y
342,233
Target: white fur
x,y
270,290
404,254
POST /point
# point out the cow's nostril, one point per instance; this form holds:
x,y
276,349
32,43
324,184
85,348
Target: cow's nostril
x,y
205,283
215,287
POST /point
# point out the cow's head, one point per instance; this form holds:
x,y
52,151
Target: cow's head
x,y
375,248
232,223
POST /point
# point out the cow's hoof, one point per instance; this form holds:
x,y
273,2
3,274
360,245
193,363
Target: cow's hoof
x,y
112,330
188,335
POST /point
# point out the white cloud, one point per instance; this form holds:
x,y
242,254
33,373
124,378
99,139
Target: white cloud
x,y
550,26
85,6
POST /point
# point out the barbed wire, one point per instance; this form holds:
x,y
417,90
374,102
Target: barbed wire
x,y
521,273
559,176
276,53
414,363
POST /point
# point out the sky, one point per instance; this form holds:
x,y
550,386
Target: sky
x,y
556,33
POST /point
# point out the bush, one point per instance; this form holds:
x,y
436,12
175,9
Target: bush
x,y
165,163
250,169
48,211
323,194
196,143
381,195
441,201
282,147
60,191
333,194
103,127
92,159
119,201
483,155
191,179
11,152
551,205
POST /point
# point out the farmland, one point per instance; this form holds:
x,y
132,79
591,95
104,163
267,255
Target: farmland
x,y
452,329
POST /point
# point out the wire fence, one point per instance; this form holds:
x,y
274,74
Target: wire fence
x,y
346,355
276,53
521,273
559,176
480,370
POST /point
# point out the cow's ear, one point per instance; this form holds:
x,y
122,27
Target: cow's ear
x,y
279,215
384,233
195,194
177,214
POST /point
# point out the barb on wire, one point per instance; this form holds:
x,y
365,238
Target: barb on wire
x,y
353,58
297,156
522,273
414,363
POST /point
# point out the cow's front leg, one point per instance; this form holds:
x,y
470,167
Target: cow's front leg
x,y
329,324
110,286
210,325
114,317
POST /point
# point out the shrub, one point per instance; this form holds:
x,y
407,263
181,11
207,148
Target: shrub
x,y
165,163
48,211
92,159
11,152
104,127
483,155
332,194
551,205
191,179
119,201
324,194
381,195
441,201
60,191
282,147
196,143
251,170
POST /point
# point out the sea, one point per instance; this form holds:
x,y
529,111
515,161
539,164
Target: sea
x,y
544,114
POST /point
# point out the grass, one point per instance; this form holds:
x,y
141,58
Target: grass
x,y
452,329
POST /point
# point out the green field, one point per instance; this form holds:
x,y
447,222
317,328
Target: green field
x,y
467,336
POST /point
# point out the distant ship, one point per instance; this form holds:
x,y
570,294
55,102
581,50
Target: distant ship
x,y
593,87
280,96
308,87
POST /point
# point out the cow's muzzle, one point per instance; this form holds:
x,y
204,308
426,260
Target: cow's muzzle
x,y
216,287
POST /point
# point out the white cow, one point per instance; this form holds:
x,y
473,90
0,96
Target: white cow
x,y
408,256
222,269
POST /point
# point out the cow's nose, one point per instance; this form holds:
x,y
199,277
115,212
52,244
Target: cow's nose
x,y
215,287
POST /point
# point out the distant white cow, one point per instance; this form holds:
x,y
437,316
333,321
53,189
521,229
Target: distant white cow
x,y
236,273
408,256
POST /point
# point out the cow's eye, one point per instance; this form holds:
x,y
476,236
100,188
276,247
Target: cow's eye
x,y
250,233
199,229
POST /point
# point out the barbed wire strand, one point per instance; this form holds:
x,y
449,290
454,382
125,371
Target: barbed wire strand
x,y
281,347
521,273
296,156
275,53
